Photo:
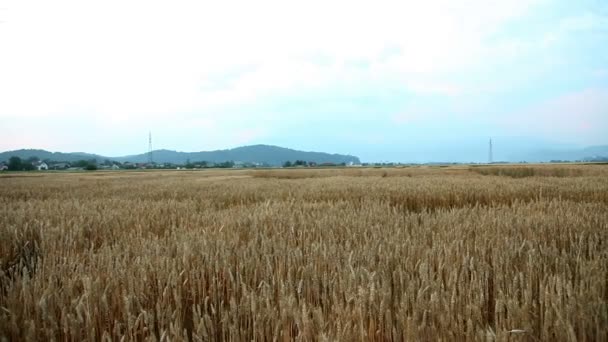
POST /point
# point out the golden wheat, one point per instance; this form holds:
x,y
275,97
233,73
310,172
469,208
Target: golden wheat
x,y
417,253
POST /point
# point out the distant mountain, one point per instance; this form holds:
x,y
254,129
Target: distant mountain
x,y
46,155
585,154
596,151
271,155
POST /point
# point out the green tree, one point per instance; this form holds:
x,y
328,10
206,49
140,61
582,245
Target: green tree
x,y
287,164
15,164
80,163
86,164
226,165
189,165
91,167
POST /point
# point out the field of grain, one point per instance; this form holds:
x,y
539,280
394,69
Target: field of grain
x,y
403,254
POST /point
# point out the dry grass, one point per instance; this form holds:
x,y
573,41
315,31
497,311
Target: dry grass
x,y
325,255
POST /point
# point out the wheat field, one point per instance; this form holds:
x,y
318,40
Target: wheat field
x,y
402,254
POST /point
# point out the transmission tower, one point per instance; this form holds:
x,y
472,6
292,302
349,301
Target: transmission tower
x,y
490,153
150,160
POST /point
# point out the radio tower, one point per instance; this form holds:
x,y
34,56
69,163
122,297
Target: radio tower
x,y
150,161
490,156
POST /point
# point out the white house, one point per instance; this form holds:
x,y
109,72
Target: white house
x,y
3,167
42,166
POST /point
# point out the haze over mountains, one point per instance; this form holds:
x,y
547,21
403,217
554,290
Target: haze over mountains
x,y
545,155
263,154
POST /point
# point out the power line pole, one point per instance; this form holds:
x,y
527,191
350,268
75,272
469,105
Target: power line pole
x,y
490,153
150,161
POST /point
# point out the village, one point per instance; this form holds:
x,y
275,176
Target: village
x,y
35,164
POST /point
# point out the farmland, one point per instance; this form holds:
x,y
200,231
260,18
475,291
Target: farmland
x,y
418,253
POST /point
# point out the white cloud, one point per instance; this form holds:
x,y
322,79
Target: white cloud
x,y
125,64
147,58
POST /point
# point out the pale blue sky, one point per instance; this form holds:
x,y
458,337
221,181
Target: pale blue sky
x,y
383,80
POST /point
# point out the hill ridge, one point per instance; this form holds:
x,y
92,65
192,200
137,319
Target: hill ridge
x,y
260,153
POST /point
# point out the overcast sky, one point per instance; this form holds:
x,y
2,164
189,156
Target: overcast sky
x,y
383,80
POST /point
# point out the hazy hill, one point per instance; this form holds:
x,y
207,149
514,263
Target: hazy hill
x,y
588,153
46,155
272,155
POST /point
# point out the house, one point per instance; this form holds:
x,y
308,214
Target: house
x,y
60,166
115,167
41,166
3,167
